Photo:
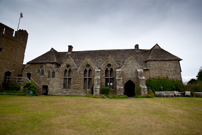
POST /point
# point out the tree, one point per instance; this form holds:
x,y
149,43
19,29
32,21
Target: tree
x,y
192,81
199,76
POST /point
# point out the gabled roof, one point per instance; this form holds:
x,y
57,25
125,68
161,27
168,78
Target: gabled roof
x,y
158,54
99,56
48,57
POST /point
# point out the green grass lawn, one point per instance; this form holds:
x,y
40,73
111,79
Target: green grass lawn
x,y
61,115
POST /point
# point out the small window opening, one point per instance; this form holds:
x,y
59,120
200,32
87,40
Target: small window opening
x,y
42,72
48,74
53,74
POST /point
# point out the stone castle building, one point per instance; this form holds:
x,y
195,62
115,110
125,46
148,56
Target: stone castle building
x,y
12,49
82,72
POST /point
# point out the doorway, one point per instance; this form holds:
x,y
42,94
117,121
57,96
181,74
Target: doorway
x,y
45,90
129,89
6,81
7,76
29,76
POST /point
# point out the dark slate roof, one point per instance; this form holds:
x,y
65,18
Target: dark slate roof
x,y
99,56
158,54
48,57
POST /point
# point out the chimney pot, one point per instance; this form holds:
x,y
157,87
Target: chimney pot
x,y
70,48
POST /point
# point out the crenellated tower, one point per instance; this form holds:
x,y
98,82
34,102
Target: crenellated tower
x,y
12,50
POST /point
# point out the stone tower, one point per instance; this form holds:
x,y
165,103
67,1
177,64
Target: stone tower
x,y
12,50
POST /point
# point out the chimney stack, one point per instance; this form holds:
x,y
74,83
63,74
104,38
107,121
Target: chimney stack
x,y
70,48
136,47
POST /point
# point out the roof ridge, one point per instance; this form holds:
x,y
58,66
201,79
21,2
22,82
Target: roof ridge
x,y
107,50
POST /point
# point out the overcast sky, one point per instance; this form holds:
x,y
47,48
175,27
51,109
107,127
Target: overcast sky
x,y
176,25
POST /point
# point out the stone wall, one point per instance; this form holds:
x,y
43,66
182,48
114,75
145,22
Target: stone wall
x,y
170,69
129,71
122,74
12,49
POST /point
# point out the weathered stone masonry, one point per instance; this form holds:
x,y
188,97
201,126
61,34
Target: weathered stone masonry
x,y
12,49
83,72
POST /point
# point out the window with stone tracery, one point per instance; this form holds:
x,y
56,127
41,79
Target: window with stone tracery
x,y
87,79
109,77
67,78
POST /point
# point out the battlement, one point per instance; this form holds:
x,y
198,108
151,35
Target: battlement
x,y
20,35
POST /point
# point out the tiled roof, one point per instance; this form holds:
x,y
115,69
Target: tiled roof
x,y
48,57
99,56
158,54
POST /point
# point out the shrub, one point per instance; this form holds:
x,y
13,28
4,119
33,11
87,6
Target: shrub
x,y
149,95
89,95
18,93
14,86
102,96
163,84
30,86
105,90
138,91
124,96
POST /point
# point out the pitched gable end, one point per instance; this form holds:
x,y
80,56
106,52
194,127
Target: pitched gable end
x,y
48,57
158,54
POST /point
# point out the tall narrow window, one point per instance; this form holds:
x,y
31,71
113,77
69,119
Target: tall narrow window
x,y
53,74
87,80
109,77
42,72
48,74
67,78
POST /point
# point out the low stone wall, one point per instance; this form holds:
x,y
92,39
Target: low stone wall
x,y
167,94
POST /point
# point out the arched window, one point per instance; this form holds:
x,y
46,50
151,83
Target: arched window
x,y
48,74
109,77
67,78
65,73
87,77
53,74
42,72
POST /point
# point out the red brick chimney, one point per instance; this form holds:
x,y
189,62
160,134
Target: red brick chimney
x,y
70,48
